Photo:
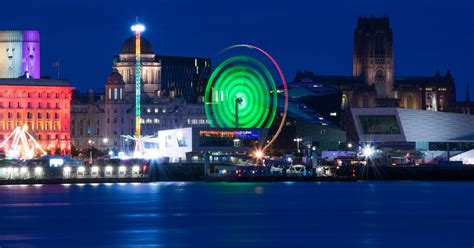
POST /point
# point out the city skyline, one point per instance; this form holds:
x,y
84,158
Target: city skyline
x,y
301,37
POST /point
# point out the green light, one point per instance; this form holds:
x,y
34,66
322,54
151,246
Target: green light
x,y
246,78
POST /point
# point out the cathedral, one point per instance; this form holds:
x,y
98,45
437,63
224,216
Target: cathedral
x,y
373,82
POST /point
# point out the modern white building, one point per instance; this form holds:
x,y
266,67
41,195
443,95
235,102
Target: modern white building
x,y
421,129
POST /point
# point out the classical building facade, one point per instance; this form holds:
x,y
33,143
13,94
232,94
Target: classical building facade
x,y
373,82
170,99
41,104
162,76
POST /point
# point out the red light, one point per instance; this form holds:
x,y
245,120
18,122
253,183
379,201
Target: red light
x,y
144,168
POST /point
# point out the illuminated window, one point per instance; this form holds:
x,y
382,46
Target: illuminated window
x,y
120,93
115,93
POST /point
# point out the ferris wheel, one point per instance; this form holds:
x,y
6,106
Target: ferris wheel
x,y
242,92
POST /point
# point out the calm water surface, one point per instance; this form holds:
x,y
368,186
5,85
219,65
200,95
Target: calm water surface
x,y
361,214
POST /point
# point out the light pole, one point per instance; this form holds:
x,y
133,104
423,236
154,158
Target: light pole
x,y
298,140
90,142
105,141
238,101
138,29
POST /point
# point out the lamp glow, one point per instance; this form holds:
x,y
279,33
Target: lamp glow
x,y
368,151
259,154
138,28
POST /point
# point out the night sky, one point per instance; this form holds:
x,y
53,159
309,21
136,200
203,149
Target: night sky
x,y
300,34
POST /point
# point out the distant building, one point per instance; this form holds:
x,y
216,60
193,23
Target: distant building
x,y
374,83
414,129
466,106
41,104
313,116
19,54
162,76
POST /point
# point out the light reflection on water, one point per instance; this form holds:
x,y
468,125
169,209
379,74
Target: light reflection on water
x,y
184,214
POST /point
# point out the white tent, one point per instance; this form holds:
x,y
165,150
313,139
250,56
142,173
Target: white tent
x,y
465,157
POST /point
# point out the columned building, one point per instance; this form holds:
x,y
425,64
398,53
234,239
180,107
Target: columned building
x,y
171,87
162,76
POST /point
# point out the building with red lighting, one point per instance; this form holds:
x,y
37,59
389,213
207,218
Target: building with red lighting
x,y
41,104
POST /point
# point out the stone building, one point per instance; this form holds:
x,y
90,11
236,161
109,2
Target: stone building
x,y
41,104
373,82
169,99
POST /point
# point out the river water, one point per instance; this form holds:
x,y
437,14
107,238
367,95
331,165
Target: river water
x,y
184,214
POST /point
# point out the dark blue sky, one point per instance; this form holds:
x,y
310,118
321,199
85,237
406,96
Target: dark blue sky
x,y
300,34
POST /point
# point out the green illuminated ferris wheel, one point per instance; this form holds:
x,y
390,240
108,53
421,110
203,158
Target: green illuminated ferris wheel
x,y
242,93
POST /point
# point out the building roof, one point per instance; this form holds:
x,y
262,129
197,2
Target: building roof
x,y
33,82
128,46
115,78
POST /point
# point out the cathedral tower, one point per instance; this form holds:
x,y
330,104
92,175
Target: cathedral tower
x,y
373,55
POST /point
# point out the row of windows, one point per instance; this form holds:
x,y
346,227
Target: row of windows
x,y
30,115
32,95
40,126
31,105
117,93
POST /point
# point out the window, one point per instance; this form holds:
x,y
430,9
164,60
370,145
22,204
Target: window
x,y
110,93
344,102
56,116
29,115
115,93
48,116
120,93
379,124
410,101
18,115
40,116
365,101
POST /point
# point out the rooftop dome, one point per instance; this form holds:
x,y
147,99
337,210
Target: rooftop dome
x,y
114,78
128,46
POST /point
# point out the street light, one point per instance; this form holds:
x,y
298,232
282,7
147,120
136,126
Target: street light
x,y
298,140
90,142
